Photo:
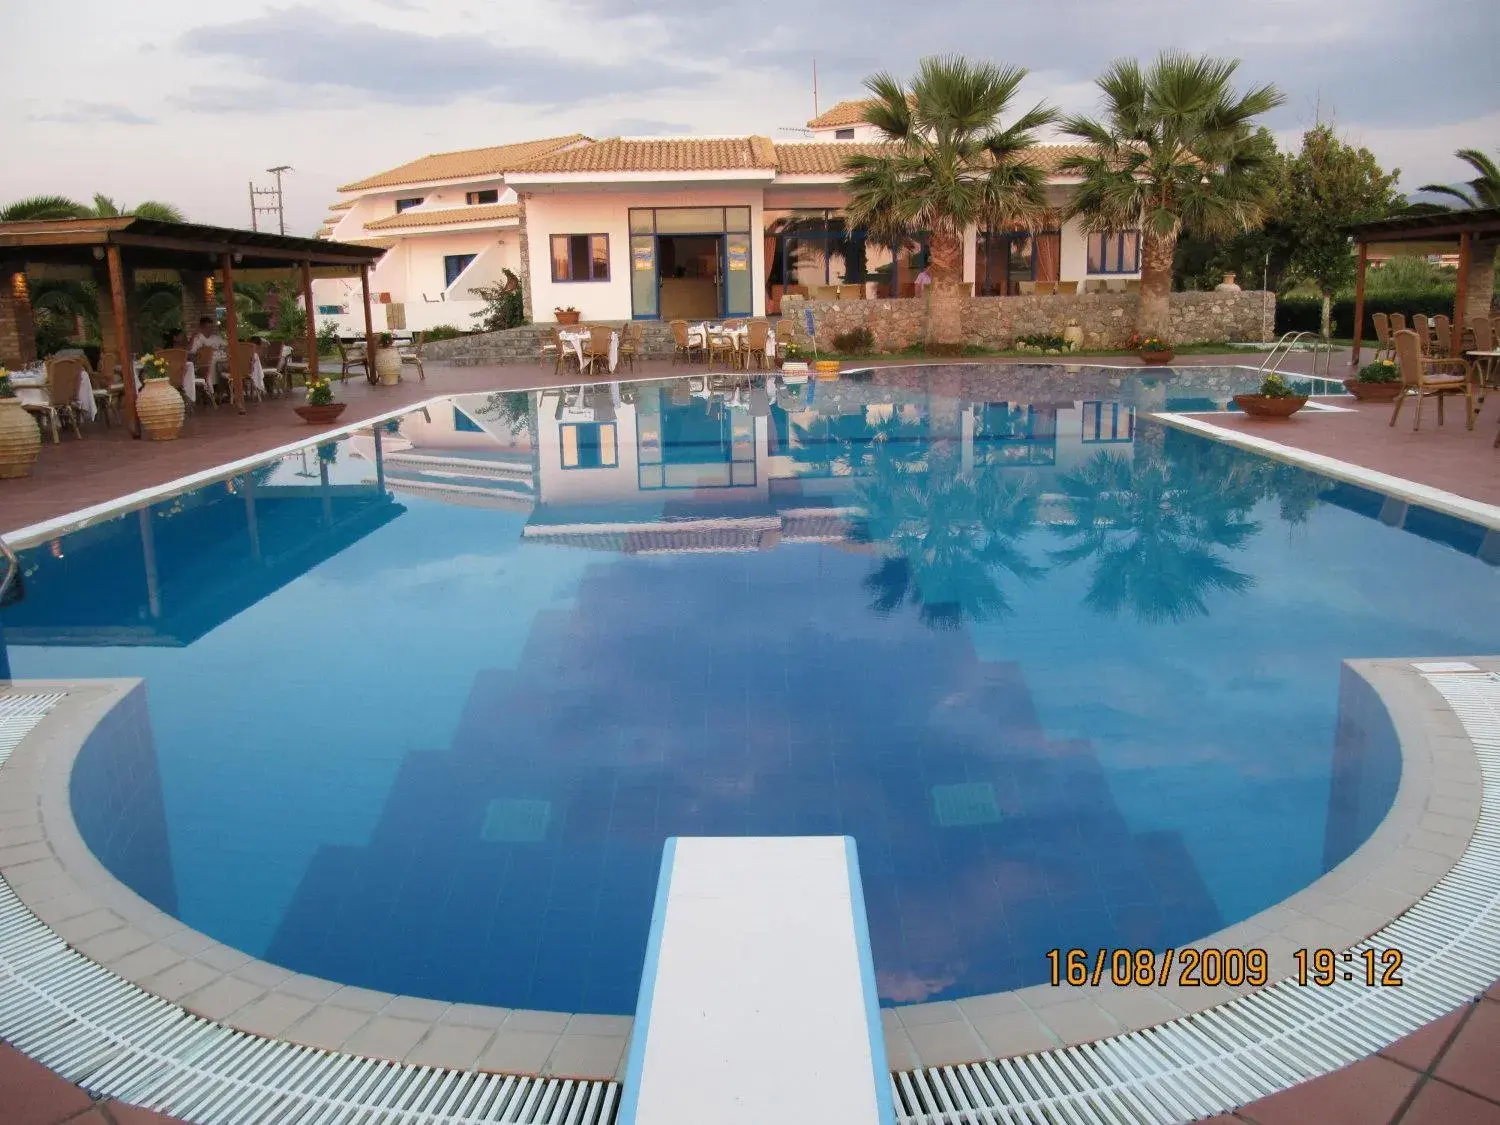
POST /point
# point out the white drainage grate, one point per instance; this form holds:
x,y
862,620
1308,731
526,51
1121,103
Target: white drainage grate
x,y
1255,1045
116,1040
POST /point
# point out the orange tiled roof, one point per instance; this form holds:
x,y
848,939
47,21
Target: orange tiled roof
x,y
681,154
341,205
323,232
466,163
850,112
446,216
826,158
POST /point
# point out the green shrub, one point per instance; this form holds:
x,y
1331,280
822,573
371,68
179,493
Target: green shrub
x,y
328,338
504,306
856,341
1381,371
443,332
1305,314
1043,341
1274,386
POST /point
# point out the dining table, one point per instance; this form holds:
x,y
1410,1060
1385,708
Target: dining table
x,y
575,341
739,336
30,385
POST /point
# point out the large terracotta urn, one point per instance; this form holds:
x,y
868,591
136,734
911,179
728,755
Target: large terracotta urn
x,y
388,366
20,440
160,409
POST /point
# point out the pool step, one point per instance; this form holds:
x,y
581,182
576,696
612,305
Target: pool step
x,y
498,468
757,1002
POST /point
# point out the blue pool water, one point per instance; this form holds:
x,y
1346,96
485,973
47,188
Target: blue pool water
x,y
420,716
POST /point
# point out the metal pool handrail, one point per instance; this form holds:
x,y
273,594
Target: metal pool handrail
x,y
1321,349
12,569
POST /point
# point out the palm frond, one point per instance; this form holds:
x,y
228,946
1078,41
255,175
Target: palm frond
x,y
42,207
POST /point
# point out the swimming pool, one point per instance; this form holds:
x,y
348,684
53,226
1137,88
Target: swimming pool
x,y
425,707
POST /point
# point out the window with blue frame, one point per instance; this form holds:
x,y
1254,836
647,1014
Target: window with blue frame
x,y
331,310
589,445
1115,251
408,203
580,257
813,248
463,424
1106,423
453,265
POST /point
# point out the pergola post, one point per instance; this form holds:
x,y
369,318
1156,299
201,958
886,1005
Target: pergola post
x,y
232,327
122,334
364,292
312,324
1461,291
1359,301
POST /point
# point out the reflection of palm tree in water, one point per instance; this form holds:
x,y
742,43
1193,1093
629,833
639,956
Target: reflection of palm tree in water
x,y
849,443
948,538
1155,530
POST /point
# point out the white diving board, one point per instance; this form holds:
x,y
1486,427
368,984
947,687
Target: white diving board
x,y
757,1001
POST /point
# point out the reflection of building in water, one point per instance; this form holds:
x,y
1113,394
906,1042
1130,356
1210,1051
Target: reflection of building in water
x,y
475,450
1366,769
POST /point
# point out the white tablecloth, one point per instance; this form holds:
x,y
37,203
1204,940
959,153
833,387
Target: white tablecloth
x,y
191,378
576,340
30,384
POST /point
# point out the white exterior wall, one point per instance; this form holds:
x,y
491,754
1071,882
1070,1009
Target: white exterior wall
x,y
862,132
608,212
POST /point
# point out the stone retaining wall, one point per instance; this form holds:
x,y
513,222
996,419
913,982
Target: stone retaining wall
x,y
1107,319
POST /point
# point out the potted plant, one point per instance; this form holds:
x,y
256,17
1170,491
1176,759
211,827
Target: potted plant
x,y
1152,349
1276,399
320,409
20,440
159,406
387,361
567,315
1377,382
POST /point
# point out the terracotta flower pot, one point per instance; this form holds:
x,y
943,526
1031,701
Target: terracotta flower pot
x,y
388,366
20,440
1157,358
321,414
566,317
1263,406
160,409
1372,392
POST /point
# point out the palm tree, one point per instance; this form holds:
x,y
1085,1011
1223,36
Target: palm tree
x,y
946,538
1176,150
1154,532
1483,190
953,167
106,208
41,207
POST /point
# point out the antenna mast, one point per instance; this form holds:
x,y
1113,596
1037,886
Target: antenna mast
x,y
815,87
257,209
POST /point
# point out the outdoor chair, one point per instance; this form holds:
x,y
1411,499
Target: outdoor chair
x,y
596,347
632,343
1484,365
203,370
246,353
1382,325
1423,377
1026,288
1067,288
549,347
1398,324
684,347
109,392
413,354
1442,336
720,344
292,365
352,358
176,361
755,343
1423,330
62,392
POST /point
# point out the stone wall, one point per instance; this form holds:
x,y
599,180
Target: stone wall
x,y
523,344
17,330
1107,319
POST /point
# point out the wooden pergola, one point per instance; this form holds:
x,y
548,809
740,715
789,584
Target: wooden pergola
x,y
112,251
1475,234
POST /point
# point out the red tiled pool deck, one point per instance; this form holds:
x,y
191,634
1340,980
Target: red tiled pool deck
x,y
1449,1072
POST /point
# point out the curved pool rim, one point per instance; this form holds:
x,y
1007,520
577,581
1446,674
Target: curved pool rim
x,y
1436,757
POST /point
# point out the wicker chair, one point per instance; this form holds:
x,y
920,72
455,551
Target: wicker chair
x,y
109,391
62,391
1420,326
203,371
1442,336
596,347
1423,377
246,353
632,343
413,354
1484,341
176,361
720,343
1383,335
755,343
1398,324
352,358
684,348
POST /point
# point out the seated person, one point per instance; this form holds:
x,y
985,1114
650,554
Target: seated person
x,y
207,336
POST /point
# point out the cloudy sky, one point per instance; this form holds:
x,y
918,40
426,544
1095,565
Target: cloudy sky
x,y
186,102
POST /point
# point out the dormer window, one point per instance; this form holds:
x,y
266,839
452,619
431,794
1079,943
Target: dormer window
x,y
473,198
843,134
408,204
